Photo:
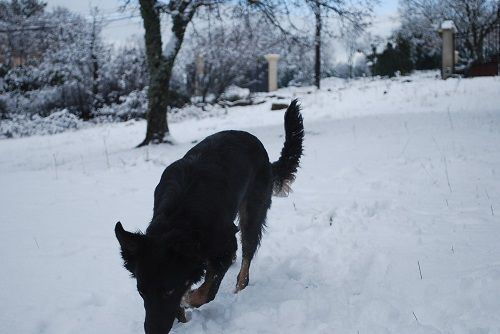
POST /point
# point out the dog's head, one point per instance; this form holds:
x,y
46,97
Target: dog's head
x,y
164,267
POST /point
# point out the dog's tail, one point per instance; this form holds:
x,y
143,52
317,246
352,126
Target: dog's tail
x,y
285,168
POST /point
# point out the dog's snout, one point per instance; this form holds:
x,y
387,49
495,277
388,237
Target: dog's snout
x,y
159,318
156,327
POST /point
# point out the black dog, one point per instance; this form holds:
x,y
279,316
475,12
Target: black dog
x,y
192,232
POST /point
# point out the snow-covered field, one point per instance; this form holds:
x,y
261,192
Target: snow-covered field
x,y
393,226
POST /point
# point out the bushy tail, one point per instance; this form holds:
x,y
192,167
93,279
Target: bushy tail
x,y
285,168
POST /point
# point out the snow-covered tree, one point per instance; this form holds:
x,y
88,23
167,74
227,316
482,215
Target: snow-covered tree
x,y
474,20
161,58
396,58
72,60
65,73
123,71
232,51
226,49
354,14
23,27
359,64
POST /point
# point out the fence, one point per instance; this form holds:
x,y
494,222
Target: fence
x,y
479,62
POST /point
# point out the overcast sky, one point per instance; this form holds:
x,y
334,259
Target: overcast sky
x,y
123,29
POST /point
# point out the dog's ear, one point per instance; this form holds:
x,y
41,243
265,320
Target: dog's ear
x,y
130,244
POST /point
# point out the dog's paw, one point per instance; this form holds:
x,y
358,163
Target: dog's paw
x,y
243,276
241,283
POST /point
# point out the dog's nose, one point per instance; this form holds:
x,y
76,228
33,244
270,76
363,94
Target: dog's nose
x,y
158,328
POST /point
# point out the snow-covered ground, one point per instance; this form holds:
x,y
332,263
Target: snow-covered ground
x,y
393,226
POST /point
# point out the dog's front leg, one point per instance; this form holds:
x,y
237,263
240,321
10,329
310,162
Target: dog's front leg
x,y
200,296
181,315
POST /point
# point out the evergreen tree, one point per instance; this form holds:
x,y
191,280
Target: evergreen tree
x,y
393,59
404,63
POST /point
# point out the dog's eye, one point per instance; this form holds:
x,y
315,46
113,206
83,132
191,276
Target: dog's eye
x,y
168,293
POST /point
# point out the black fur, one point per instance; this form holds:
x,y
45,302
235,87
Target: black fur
x,y
195,205
285,168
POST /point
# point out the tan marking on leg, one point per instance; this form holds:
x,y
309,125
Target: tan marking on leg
x,y
243,276
198,297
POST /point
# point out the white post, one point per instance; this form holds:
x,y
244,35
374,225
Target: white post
x,y
448,31
272,59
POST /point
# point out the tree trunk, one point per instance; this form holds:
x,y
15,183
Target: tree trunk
x,y
317,63
479,52
159,79
95,70
159,65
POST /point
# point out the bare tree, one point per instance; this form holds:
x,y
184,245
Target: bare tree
x,y
160,64
94,46
22,31
474,20
352,13
231,50
181,12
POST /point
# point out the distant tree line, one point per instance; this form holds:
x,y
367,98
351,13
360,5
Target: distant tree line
x,y
54,60
397,58
181,14
417,43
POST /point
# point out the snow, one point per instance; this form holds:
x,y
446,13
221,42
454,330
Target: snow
x,y
56,122
234,92
359,59
170,47
448,25
392,226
